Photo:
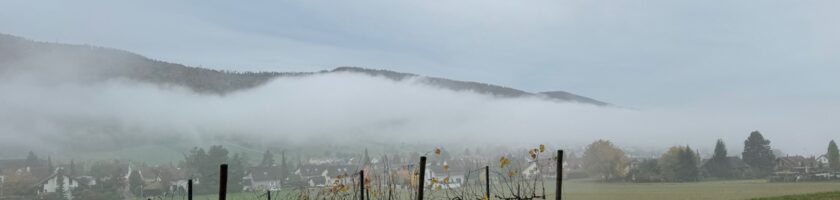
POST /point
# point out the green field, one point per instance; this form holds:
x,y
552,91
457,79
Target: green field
x,y
740,189
814,196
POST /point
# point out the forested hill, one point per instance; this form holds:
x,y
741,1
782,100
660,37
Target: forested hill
x,y
482,88
86,63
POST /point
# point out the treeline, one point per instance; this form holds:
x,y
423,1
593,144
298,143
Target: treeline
x,y
204,166
602,159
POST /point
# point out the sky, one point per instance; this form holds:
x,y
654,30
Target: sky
x,y
689,71
633,53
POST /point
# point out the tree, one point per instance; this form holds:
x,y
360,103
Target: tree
x,y
268,159
216,156
720,150
236,172
135,183
679,164
604,160
32,160
50,164
366,159
284,166
758,154
833,156
718,165
205,165
61,192
72,172
646,171
688,168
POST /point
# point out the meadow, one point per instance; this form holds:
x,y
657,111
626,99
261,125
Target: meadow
x,y
722,190
734,189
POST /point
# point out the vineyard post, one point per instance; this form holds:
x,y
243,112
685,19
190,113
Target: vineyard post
x,y
189,189
559,170
487,181
268,194
223,172
422,178
362,184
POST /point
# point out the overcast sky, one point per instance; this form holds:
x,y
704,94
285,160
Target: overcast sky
x,y
630,53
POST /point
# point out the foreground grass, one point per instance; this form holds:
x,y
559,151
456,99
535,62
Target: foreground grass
x,y
816,196
738,189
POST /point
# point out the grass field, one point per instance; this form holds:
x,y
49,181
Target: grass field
x,y
740,189
814,196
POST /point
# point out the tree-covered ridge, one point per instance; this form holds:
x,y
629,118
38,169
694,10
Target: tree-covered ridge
x,y
87,63
84,62
481,88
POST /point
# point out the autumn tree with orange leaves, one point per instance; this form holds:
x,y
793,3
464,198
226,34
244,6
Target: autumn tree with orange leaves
x,y
602,159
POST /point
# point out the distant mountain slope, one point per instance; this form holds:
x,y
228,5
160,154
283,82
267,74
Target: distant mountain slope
x,y
482,88
88,63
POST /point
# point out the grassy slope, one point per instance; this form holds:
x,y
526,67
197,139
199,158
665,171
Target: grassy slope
x,y
741,189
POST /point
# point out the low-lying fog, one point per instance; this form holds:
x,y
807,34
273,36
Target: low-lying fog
x,y
350,108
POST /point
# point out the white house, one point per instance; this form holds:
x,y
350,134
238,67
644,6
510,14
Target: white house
x,y
325,175
51,184
264,178
455,176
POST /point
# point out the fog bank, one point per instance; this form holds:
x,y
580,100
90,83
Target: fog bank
x,y
344,108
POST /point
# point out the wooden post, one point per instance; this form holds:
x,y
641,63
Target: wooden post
x,y
268,194
362,185
559,185
223,173
189,189
422,178
487,181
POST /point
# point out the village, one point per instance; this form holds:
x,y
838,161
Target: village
x,y
34,177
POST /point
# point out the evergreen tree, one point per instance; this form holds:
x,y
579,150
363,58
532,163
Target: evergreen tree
x,y
72,172
688,164
49,164
833,156
366,159
284,166
758,154
268,159
135,183
718,165
679,164
236,173
60,190
646,171
32,160
720,150
216,156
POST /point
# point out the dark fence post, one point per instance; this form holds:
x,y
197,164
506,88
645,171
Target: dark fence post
x,y
362,184
559,185
189,189
268,194
223,173
487,181
422,178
